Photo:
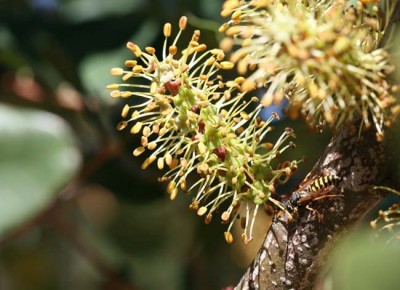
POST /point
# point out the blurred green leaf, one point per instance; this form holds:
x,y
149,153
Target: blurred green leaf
x,y
84,10
38,156
366,263
94,69
211,9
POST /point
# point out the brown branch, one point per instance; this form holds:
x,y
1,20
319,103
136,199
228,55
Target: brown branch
x,y
68,191
294,251
73,235
52,213
38,219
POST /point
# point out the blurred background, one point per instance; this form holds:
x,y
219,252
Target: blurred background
x,y
76,210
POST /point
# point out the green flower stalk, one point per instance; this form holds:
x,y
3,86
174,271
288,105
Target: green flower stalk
x,y
195,124
322,55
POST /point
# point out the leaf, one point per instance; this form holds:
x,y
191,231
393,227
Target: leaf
x,y
38,156
95,69
363,262
87,10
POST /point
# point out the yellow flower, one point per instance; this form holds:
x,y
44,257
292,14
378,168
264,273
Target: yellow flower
x,y
194,123
321,55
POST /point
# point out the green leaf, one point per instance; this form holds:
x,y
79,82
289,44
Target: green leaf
x,y
87,10
363,262
38,156
95,69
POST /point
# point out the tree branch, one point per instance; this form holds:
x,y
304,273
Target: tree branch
x,y
294,251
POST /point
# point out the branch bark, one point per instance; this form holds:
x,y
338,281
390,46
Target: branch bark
x,y
294,252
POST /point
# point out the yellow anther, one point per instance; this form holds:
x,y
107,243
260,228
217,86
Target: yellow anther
x,y
167,29
126,94
236,15
130,63
116,71
173,49
152,146
112,86
202,210
125,111
115,94
223,27
144,141
160,163
171,186
150,50
122,125
225,216
137,69
228,237
148,161
182,23
138,151
226,65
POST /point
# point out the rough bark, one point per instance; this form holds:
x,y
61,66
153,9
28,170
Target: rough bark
x,y
294,252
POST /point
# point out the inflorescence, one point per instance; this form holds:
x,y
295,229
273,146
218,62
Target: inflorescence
x,y
322,55
389,220
194,123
